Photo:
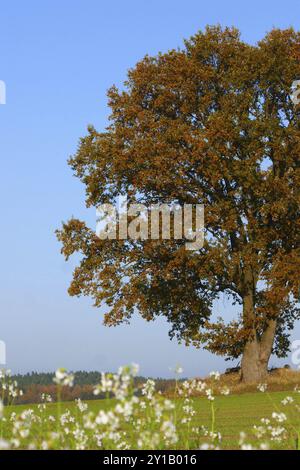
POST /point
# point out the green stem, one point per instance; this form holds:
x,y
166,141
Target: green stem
x,y
213,417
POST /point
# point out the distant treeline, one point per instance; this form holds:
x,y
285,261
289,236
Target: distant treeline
x,y
46,378
34,384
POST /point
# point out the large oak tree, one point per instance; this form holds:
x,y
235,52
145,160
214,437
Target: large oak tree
x,y
213,124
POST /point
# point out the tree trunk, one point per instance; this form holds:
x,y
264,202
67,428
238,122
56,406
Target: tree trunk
x,y
257,351
256,355
254,366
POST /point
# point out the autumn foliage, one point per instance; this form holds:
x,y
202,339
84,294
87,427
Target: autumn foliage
x,y
213,124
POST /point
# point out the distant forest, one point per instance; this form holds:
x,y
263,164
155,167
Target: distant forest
x,y
46,378
34,384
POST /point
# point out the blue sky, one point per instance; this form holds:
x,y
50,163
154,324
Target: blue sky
x,y
58,58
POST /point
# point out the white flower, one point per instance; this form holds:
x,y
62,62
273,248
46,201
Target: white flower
x,y
209,394
81,406
60,374
24,433
107,384
263,446
246,447
279,417
46,398
205,447
169,431
148,389
3,444
63,378
45,445
102,417
262,387
200,386
215,375
259,431
287,400
215,436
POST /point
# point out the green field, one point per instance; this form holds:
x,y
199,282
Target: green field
x,y
234,413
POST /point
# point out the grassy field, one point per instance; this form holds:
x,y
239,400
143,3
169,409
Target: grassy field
x,y
234,413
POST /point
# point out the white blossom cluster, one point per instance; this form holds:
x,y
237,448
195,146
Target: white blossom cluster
x,y
133,418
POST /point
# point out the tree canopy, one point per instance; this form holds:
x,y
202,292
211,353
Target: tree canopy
x,y
212,123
